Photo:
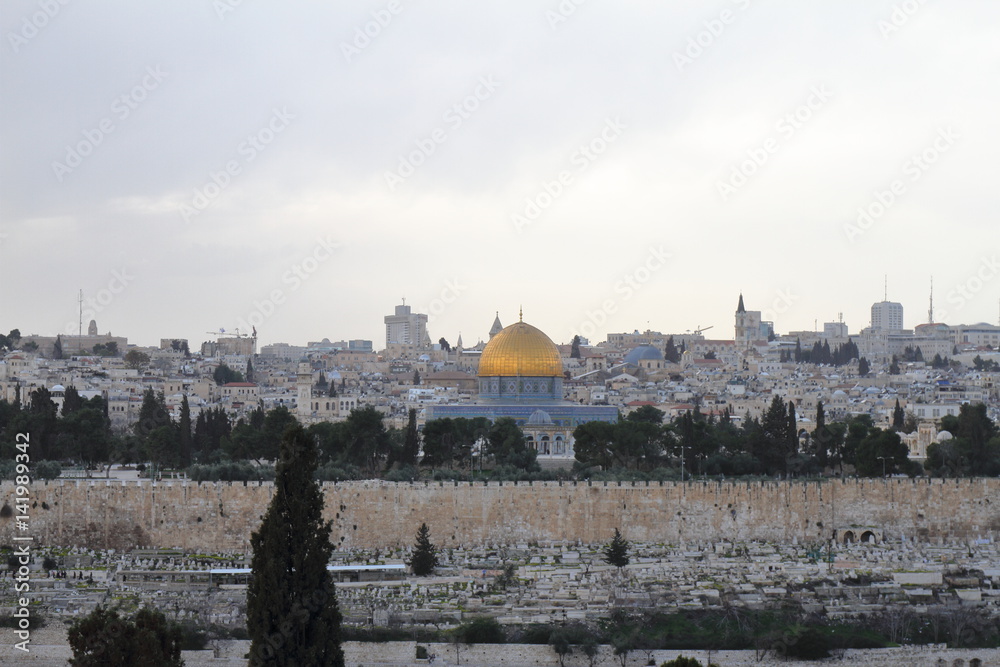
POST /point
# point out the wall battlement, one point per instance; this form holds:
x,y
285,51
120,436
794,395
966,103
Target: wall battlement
x,y
113,514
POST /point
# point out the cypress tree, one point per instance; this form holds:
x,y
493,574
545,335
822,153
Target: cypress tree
x,y
411,441
898,417
820,435
292,612
793,433
71,401
616,551
424,558
670,352
184,436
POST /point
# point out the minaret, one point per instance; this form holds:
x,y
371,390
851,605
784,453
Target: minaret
x,y
303,386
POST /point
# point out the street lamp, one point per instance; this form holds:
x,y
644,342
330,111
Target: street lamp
x,y
883,464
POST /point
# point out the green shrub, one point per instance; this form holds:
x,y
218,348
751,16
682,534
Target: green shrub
x,y
483,630
47,469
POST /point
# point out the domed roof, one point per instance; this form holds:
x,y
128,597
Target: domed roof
x,y
540,418
637,354
520,350
943,436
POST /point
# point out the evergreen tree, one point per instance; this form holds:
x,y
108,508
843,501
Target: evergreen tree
x,y
424,558
57,348
880,453
798,350
411,441
793,431
774,441
893,366
505,443
864,368
333,390
670,353
445,345
184,435
820,436
368,441
292,612
103,637
71,401
616,551
223,374
574,352
898,417
249,373
153,412
416,377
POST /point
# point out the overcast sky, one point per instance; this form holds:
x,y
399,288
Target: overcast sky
x,y
303,166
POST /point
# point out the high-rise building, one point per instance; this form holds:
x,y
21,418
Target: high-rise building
x,y
887,316
405,328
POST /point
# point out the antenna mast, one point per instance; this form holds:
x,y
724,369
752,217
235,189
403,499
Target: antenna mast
x,y
930,310
80,329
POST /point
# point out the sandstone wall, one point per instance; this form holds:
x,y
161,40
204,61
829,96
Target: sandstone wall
x,y
374,514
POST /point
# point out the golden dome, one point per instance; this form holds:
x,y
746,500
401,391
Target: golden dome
x,y
520,350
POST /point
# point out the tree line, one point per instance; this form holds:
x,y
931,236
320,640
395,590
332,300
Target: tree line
x,y
696,444
362,446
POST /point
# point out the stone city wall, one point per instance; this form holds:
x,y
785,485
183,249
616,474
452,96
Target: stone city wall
x,y
219,517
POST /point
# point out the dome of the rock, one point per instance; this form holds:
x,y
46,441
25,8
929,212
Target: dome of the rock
x,y
520,350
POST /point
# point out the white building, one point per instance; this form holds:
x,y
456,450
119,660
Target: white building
x,y
405,328
887,316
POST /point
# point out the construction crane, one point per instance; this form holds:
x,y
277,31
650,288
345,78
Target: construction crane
x,y
236,333
697,332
